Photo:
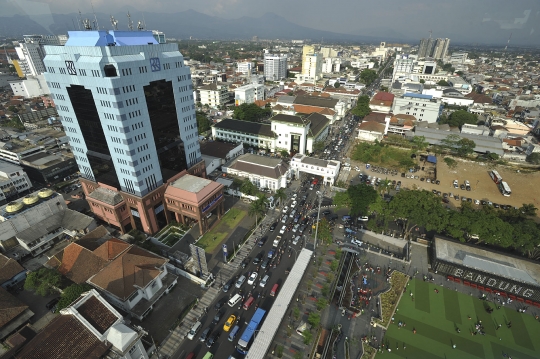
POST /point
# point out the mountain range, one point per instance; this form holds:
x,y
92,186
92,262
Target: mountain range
x,y
186,24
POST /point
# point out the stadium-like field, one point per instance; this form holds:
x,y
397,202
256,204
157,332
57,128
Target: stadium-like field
x,y
445,322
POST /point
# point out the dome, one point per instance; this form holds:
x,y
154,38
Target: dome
x,y
30,200
45,193
13,207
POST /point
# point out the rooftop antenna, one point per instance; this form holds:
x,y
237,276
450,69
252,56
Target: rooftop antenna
x,y
140,25
96,24
87,24
79,20
430,32
130,22
114,22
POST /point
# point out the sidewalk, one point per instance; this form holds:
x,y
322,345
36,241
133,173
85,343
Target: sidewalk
x,y
225,272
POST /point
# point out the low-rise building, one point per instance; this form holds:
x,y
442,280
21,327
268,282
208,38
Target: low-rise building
x,y
32,86
37,222
423,107
13,181
217,153
327,169
11,272
89,328
262,171
14,313
371,131
214,95
295,134
249,94
382,102
47,168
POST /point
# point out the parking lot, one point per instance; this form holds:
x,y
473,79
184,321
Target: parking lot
x,y
482,186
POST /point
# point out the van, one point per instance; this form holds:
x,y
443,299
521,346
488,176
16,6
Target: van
x,y
234,300
191,356
274,290
194,329
233,332
240,281
248,303
264,281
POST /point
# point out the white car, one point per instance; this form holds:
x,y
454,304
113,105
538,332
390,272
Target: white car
x,y
477,202
356,242
294,195
285,209
295,240
294,204
467,184
282,230
295,228
456,184
363,218
252,278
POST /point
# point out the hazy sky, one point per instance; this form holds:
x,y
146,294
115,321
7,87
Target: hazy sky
x,y
457,19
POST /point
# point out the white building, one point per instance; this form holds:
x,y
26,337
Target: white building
x,y
422,107
275,67
32,86
332,64
295,134
245,67
328,170
96,329
30,59
329,52
262,171
214,95
248,94
311,63
458,58
13,181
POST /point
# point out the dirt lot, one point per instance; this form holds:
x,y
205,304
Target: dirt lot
x,y
525,186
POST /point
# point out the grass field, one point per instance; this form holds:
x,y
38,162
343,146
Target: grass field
x,y
436,317
211,239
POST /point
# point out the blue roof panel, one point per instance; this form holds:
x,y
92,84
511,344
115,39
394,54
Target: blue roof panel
x,y
105,38
417,95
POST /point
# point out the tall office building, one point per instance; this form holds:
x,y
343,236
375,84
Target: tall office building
x,y
440,49
126,103
436,48
275,67
311,63
31,53
426,47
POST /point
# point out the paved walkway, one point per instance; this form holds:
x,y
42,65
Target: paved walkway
x,y
224,272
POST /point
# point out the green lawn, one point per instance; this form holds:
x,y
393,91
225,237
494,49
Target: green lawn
x,y
213,238
436,317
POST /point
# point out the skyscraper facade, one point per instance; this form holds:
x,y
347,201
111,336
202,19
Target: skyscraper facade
x,y
275,67
126,103
436,48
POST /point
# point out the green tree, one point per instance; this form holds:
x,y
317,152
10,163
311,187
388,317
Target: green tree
x,y
443,83
296,313
422,81
534,158
307,337
528,209
450,162
70,294
334,265
257,208
248,188
337,84
280,196
419,142
324,232
314,319
43,281
203,124
462,146
341,200
318,146
284,153
384,186
361,196
250,112
419,208
367,76
459,118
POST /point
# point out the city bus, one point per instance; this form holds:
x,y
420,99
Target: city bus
x,y
247,336
495,176
505,189
208,356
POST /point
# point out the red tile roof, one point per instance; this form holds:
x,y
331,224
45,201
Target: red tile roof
x,y
98,315
383,96
372,126
10,307
79,264
65,337
9,268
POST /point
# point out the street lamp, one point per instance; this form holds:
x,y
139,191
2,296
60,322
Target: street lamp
x,y
319,195
295,253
